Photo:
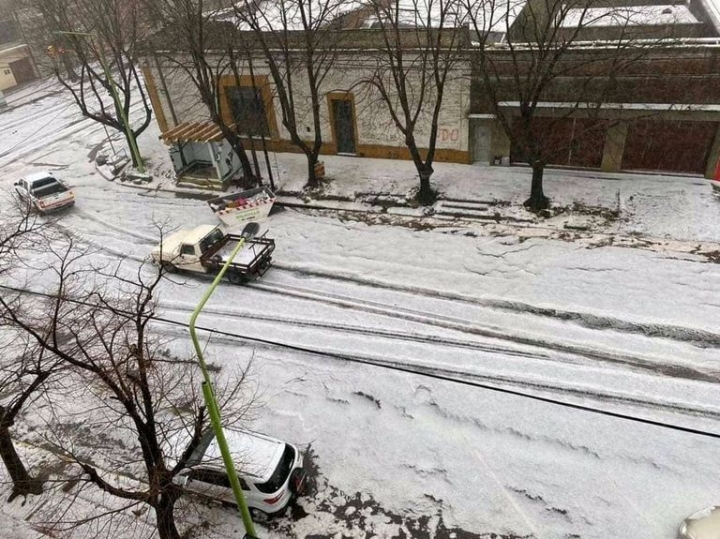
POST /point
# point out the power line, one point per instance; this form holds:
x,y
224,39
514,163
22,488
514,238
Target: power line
x,y
405,369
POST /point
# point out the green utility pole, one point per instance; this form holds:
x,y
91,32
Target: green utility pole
x,y
248,232
116,99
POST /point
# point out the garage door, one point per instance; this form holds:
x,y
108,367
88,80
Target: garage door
x,y
22,70
668,146
568,142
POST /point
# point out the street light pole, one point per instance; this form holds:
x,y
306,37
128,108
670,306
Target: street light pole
x,y
213,410
116,98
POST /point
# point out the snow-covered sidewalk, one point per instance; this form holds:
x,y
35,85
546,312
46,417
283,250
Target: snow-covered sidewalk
x,y
652,206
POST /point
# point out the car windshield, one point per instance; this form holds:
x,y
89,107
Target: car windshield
x,y
211,239
47,187
280,474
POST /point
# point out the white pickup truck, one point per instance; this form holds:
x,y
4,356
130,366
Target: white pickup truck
x,y
206,248
44,193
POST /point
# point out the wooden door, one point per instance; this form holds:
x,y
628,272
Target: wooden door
x,y
22,70
344,122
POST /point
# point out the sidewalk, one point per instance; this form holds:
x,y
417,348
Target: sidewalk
x,y
635,208
677,207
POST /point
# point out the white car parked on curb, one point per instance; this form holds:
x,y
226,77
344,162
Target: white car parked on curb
x,y
44,192
703,524
270,471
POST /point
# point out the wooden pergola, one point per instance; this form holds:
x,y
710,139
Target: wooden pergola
x,y
194,132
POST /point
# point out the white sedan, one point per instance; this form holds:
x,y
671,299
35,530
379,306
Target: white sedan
x,y
44,192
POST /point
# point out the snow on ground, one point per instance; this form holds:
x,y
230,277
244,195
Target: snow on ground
x,y
403,454
678,207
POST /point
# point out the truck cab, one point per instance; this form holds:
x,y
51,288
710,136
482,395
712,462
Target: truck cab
x,y
206,249
184,249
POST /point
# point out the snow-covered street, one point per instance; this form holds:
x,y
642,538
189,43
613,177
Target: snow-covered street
x,y
426,454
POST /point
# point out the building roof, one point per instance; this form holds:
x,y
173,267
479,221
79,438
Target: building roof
x,y
274,15
712,8
647,15
655,107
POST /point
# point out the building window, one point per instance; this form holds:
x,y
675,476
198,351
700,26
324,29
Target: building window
x,y
7,71
248,109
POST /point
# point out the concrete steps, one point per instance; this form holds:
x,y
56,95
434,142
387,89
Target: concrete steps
x,y
201,183
467,209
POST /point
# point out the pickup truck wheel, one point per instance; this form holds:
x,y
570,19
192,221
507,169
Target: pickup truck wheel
x,y
169,268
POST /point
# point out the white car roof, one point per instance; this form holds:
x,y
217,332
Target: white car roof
x,y
31,178
255,455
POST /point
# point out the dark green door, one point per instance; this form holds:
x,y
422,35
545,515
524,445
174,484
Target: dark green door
x,y
344,126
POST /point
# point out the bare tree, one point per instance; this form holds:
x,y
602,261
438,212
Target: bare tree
x,y
102,37
140,395
194,40
298,39
423,42
24,372
23,369
531,53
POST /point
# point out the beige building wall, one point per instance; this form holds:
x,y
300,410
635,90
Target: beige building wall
x,y
7,80
375,132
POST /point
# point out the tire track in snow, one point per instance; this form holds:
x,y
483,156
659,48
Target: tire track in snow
x,y
29,118
698,337
466,326
60,134
135,235
533,383
136,198
359,330
428,318
99,246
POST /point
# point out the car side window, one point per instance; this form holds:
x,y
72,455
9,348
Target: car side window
x,y
187,250
23,185
212,477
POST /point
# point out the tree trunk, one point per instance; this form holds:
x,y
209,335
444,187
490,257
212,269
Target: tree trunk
x,y
537,201
69,67
129,141
165,517
256,163
312,180
23,483
267,162
237,145
426,196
